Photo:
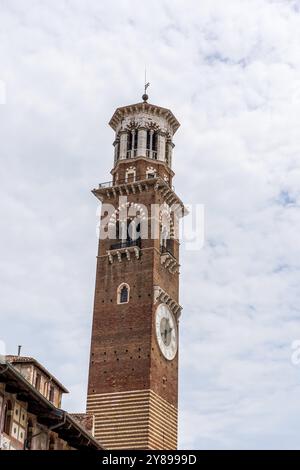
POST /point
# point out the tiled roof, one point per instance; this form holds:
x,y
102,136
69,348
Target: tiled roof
x,y
85,420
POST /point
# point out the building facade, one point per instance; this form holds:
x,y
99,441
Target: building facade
x,y
30,413
133,372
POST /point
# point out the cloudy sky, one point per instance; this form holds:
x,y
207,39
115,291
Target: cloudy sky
x,y
230,71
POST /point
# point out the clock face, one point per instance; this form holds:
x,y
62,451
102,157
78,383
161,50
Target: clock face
x,y
166,331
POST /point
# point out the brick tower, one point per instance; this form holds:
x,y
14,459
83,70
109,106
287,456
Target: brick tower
x,y
133,372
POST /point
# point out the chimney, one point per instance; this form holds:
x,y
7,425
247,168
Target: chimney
x,y
19,350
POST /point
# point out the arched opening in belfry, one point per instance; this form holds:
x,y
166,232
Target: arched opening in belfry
x,y
152,144
132,143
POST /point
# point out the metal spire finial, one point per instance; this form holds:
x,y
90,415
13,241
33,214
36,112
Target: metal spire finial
x,y
145,97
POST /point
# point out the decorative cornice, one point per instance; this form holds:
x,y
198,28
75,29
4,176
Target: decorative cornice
x,y
169,196
124,111
169,262
160,295
128,251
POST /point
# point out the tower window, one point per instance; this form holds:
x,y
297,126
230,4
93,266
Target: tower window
x,y
123,294
148,141
38,382
151,172
129,141
136,140
132,143
6,423
130,175
29,434
51,395
154,142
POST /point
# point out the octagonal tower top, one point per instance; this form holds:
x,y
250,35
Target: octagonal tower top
x,y
144,130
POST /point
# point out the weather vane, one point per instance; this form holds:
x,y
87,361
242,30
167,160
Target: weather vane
x,y
147,84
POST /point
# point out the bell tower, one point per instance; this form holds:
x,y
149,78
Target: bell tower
x,y
133,371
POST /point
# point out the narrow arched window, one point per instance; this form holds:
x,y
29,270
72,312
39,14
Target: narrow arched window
x,y
152,144
38,382
135,140
129,141
52,394
7,417
123,294
132,143
154,141
29,434
148,140
130,175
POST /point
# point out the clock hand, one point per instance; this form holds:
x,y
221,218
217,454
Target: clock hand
x,y
170,330
164,334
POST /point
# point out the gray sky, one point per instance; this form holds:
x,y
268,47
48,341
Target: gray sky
x,y
230,72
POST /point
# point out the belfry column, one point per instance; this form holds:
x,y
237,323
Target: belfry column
x,y
161,147
123,145
142,142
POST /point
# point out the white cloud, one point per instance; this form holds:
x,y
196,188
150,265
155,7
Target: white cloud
x,y
230,72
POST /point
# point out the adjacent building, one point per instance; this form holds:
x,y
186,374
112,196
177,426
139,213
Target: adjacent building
x,y
31,417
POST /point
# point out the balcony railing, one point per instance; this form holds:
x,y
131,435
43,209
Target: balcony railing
x,y
110,184
126,244
151,154
107,184
131,153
